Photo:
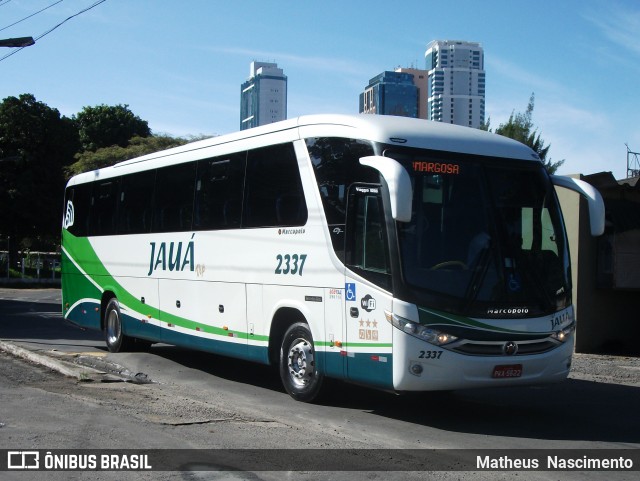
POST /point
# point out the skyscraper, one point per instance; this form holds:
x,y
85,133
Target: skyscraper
x,y
456,82
420,81
263,98
390,93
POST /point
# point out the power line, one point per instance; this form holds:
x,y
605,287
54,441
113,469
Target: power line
x,y
55,27
2,4
32,15
72,16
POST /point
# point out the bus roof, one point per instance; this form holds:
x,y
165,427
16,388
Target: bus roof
x,y
386,129
426,134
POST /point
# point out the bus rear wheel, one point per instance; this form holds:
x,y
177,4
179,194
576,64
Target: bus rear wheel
x,y
113,335
298,364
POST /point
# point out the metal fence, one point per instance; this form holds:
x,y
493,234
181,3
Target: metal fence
x,y
30,266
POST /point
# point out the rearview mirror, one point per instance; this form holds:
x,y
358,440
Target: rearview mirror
x,y
399,183
594,200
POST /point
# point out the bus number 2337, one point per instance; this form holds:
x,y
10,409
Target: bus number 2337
x,y
290,264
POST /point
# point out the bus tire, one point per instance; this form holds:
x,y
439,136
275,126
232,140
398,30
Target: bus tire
x,y
113,335
298,364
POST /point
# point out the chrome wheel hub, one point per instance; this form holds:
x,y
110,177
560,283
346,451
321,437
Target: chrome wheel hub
x,y
301,362
113,327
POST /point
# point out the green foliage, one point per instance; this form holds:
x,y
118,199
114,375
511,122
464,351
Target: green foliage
x,y
486,126
520,127
104,126
36,142
40,149
107,156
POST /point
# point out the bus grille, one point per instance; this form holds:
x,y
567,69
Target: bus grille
x,y
479,348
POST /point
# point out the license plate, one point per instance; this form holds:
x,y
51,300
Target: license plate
x,y
511,370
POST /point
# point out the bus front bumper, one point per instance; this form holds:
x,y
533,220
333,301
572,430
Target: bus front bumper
x,y
420,366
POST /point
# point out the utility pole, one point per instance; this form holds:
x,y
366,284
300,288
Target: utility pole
x,y
633,163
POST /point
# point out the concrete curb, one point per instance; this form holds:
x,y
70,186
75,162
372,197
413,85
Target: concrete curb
x,y
81,373
83,368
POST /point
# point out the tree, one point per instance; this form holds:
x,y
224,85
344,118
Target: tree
x,y
520,127
35,143
105,126
104,157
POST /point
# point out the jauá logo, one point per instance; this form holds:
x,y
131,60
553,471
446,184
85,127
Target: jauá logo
x,y
168,256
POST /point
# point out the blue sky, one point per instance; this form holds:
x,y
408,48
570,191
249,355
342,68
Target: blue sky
x,y
179,64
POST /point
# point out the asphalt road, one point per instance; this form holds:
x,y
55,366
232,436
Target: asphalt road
x,y
199,400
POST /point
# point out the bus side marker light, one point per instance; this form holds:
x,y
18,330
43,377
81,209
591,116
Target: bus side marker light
x,y
415,369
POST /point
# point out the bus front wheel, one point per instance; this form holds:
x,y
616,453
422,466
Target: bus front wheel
x,y
298,364
113,335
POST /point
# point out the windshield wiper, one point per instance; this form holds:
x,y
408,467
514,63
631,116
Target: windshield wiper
x,y
480,272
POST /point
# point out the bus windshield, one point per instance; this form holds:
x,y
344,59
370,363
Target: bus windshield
x,y
486,236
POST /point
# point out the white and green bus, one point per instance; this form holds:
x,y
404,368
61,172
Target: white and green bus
x,y
397,253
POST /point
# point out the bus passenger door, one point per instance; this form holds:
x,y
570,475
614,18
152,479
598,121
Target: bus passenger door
x,y
367,289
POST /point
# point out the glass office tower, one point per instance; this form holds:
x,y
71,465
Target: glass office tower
x,y
390,93
456,82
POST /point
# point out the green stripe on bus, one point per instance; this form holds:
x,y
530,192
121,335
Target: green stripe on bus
x,y
80,248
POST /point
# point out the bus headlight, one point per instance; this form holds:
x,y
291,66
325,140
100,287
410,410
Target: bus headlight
x,y
563,334
425,333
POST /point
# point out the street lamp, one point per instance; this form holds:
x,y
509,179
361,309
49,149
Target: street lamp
x,y
17,42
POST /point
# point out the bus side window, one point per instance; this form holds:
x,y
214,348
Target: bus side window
x,y
219,184
80,198
273,189
367,249
175,187
336,164
136,203
103,217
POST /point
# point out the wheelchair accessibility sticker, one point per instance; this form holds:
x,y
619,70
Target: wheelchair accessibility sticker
x,y
350,291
